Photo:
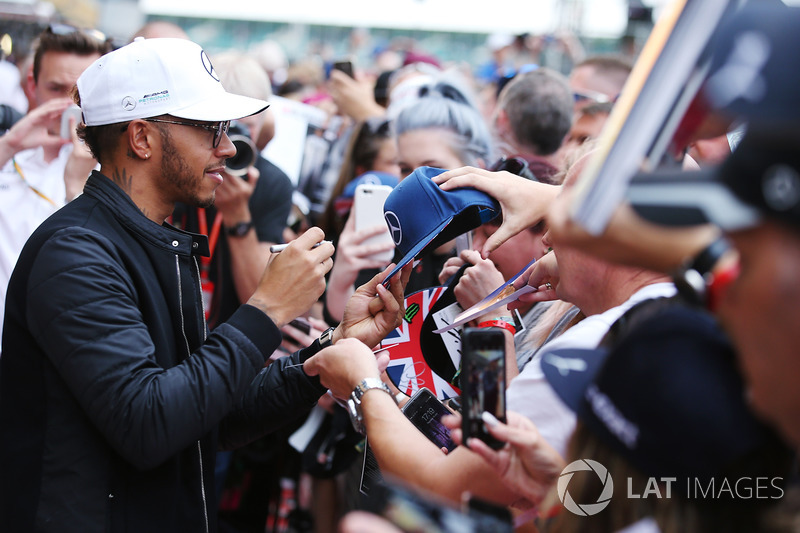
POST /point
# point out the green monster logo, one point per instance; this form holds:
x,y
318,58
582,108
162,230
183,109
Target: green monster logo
x,y
411,312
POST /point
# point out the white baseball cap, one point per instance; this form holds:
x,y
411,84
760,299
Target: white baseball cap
x,y
152,77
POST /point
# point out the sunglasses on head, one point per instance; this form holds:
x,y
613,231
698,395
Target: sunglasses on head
x,y
510,74
67,29
515,165
378,126
592,96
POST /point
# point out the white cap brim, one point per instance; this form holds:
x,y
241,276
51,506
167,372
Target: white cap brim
x,y
225,106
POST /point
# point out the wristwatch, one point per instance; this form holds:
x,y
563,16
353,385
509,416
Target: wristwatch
x,y
320,343
696,277
240,229
326,339
354,402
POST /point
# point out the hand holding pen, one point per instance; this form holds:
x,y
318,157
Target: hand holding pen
x,y
278,248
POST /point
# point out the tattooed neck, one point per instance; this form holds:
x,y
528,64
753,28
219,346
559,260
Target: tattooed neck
x,y
123,180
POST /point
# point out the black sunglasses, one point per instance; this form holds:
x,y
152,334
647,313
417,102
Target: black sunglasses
x,y
377,126
515,165
592,96
219,128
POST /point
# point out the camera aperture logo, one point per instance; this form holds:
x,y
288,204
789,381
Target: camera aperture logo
x,y
585,509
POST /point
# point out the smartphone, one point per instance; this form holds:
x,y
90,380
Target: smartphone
x,y
300,323
483,381
345,66
488,516
414,509
368,207
73,112
425,411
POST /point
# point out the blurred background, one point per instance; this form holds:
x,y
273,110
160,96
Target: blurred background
x,y
450,30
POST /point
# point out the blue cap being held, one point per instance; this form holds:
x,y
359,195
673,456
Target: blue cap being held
x,y
422,216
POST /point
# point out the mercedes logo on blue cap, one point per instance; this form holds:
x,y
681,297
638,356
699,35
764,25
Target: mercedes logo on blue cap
x,y
370,179
394,227
208,66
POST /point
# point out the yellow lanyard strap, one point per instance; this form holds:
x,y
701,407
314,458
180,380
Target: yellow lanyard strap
x,y
31,187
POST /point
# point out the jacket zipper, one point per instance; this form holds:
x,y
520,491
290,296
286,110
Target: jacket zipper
x,y
188,353
202,484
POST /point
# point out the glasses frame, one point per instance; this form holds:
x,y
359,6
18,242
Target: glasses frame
x,y
58,28
591,96
514,165
219,129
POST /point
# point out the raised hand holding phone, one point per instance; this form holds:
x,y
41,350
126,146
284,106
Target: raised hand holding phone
x,y
483,382
346,67
368,208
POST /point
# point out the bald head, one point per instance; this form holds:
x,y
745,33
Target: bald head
x,y
160,28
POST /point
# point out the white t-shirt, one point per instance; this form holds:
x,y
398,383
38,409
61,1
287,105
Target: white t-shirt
x,y
11,92
22,210
531,395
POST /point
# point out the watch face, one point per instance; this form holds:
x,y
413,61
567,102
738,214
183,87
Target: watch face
x,y
240,229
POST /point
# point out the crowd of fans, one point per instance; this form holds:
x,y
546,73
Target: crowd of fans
x,y
611,358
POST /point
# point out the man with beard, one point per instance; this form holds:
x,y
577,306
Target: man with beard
x,y
114,396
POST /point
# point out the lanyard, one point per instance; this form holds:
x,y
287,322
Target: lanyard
x,y
212,237
31,187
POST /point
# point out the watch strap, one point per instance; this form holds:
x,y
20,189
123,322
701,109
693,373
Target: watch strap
x,y
705,261
326,339
371,383
354,402
239,229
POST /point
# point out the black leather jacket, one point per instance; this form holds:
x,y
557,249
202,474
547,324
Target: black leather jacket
x,y
113,396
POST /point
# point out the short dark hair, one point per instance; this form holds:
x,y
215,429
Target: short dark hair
x,y
100,140
539,108
79,42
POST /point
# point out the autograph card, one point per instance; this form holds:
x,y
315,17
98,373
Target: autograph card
x,y
504,294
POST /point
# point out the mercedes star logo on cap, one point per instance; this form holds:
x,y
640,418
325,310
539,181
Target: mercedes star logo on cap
x,y
128,103
208,66
394,227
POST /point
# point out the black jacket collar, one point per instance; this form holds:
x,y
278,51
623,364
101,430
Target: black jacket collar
x,y
165,235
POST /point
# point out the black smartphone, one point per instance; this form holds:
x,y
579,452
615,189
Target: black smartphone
x,y
483,381
412,510
300,323
346,67
425,411
488,516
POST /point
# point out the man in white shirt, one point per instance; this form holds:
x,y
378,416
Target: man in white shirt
x,y
39,170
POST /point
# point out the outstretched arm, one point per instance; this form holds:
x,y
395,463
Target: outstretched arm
x,y
524,202
401,450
